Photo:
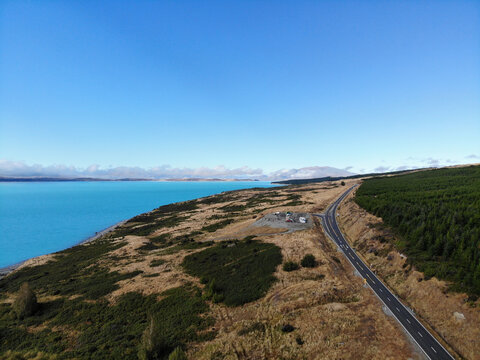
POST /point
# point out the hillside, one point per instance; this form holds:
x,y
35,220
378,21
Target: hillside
x,y
440,304
436,215
337,178
212,277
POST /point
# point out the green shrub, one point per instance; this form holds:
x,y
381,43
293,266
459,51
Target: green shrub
x,y
290,266
147,228
105,331
218,225
237,272
174,321
287,328
249,238
177,354
25,303
233,208
336,259
157,262
309,261
164,210
72,271
151,345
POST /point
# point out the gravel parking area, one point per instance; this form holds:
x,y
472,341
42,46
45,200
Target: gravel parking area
x,y
279,220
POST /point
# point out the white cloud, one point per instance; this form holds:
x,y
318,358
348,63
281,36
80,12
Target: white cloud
x,y
308,173
472,156
381,169
433,162
20,169
423,162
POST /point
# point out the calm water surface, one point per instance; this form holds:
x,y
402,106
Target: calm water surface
x,y
40,218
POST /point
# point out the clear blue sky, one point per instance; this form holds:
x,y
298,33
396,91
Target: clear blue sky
x,y
264,84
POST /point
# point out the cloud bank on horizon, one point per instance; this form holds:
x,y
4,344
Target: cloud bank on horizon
x,y
21,169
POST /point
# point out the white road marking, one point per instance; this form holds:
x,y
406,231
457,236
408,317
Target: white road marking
x,y
330,219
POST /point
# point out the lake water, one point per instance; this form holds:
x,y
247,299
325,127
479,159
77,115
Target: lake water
x,y
38,218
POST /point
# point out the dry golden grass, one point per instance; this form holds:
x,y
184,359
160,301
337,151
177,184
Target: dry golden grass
x,y
334,316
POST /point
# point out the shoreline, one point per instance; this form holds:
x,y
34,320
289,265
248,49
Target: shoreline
x,y
4,271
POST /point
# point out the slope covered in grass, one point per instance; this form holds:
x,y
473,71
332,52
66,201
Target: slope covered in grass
x,y
436,214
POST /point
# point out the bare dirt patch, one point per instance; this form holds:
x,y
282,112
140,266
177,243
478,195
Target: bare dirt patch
x,y
290,222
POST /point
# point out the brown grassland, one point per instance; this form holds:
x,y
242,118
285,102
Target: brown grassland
x,y
333,315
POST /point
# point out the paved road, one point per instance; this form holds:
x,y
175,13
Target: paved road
x,y
430,346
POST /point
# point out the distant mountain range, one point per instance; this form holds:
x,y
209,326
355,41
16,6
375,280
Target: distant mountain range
x,y
52,179
310,172
336,178
19,171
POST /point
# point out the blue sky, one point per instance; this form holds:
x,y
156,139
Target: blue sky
x,y
260,84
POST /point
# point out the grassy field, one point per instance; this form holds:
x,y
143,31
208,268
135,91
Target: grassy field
x,y
436,216
130,293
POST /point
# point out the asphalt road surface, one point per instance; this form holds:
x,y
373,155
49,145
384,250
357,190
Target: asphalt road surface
x,y
430,346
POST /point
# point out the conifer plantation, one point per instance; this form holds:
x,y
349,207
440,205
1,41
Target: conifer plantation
x,y
436,217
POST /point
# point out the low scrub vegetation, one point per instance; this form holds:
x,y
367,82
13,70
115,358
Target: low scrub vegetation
x,y
290,266
25,303
177,354
216,199
233,208
218,225
157,262
236,272
164,210
309,261
74,329
73,271
287,328
148,228
436,216
173,322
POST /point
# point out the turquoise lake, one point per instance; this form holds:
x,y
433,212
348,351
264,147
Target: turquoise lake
x,y
38,218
